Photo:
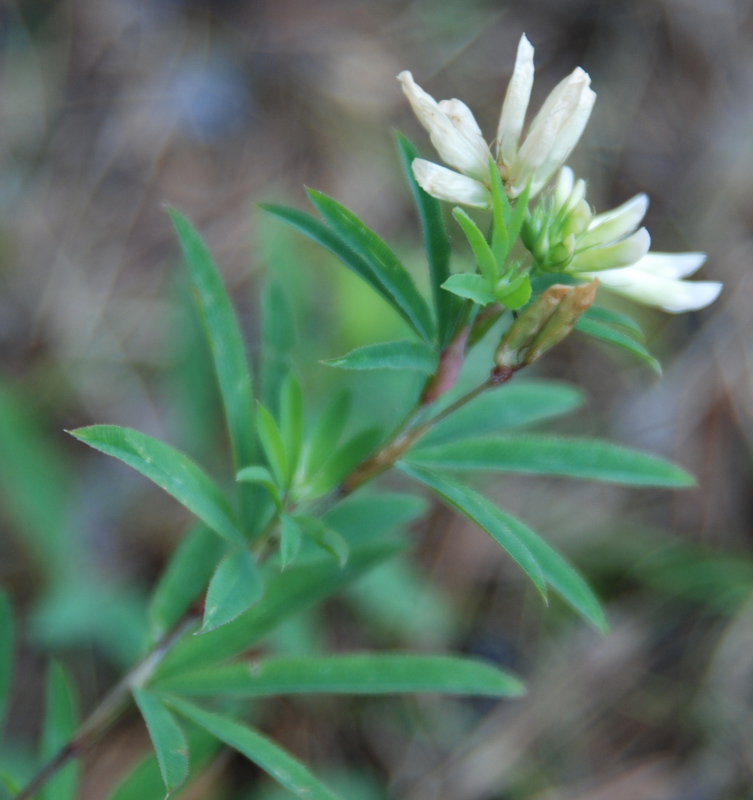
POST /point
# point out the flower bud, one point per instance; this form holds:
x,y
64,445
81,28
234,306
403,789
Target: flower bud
x,y
546,323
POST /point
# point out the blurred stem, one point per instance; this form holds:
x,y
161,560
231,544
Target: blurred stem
x,y
111,707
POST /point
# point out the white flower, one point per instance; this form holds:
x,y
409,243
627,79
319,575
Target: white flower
x,y
656,280
457,137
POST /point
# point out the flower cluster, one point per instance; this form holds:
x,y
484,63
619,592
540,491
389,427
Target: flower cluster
x,y
561,233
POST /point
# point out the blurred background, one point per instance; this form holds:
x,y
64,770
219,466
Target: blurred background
x,y
110,109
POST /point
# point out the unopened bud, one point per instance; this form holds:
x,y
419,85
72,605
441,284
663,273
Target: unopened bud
x,y
573,306
511,351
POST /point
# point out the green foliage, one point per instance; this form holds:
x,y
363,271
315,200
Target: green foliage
x,y
361,674
597,329
170,470
278,340
167,737
6,654
389,355
272,759
235,586
569,457
60,722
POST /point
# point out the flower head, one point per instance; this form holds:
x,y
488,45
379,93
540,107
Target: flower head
x,y
457,137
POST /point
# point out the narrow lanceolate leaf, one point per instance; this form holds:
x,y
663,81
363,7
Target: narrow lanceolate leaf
x,y
606,333
554,570
390,355
345,459
6,653
261,475
169,469
436,245
274,446
485,514
234,588
471,287
501,215
185,578
327,432
327,539
397,283
225,341
290,539
351,674
485,259
518,215
291,420
60,723
167,738
285,593
616,319
570,457
278,764
323,235
278,342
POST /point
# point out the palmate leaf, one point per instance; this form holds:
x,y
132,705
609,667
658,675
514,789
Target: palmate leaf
x,y
505,528
360,674
235,586
60,723
285,594
185,578
167,737
569,457
514,405
171,470
606,333
436,245
278,764
390,355
227,348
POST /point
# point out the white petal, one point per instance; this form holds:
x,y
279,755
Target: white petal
x,y
516,103
462,146
564,188
444,184
620,254
671,265
615,224
674,296
461,117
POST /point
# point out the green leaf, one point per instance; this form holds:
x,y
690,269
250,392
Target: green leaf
x,y
278,764
554,570
186,577
515,405
518,215
615,318
168,739
171,470
390,355
226,345
290,539
144,782
485,259
345,460
502,214
286,593
598,330
262,476
60,723
361,674
436,245
274,446
327,432
395,280
471,287
235,587
291,420
570,457
485,514
328,540
517,294
6,653
278,342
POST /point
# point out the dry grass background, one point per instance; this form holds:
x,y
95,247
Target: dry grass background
x,y
110,108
